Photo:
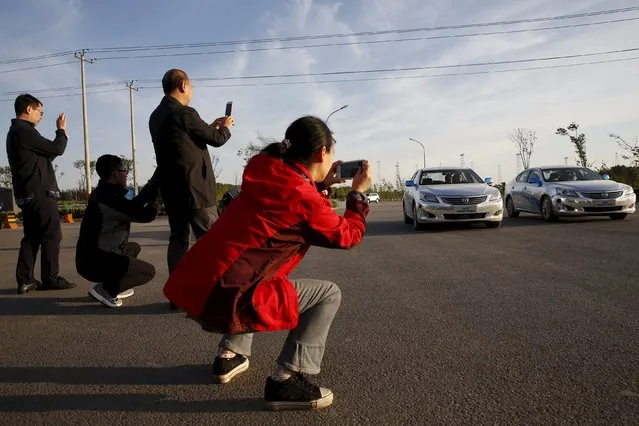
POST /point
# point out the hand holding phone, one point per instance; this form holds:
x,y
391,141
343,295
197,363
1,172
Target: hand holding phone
x,y
364,178
229,108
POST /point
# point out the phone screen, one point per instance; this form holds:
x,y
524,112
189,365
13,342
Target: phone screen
x,y
229,107
348,169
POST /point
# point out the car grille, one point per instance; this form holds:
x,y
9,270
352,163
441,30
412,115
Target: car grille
x,y
459,201
602,209
465,216
602,195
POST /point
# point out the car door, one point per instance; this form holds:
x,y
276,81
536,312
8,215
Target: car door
x,y
517,188
533,192
409,194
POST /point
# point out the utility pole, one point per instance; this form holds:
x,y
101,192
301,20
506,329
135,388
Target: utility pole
x,y
616,158
87,160
379,171
461,160
565,161
135,174
499,173
471,164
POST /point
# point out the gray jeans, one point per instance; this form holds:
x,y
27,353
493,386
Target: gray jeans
x,y
304,346
200,221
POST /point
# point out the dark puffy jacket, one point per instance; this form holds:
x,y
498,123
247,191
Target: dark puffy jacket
x,y
107,220
234,278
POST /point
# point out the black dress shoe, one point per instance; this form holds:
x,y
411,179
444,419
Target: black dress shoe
x,y
27,288
57,283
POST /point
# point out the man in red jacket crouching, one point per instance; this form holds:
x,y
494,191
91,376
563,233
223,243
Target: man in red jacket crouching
x,y
234,279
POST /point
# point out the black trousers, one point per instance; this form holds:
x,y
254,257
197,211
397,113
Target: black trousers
x,y
200,221
41,223
115,272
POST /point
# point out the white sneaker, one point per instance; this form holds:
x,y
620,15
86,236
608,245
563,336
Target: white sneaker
x,y
126,293
99,294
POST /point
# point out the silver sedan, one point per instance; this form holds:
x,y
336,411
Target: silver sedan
x,y
555,191
451,195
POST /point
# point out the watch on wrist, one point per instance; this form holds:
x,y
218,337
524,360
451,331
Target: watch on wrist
x,y
360,197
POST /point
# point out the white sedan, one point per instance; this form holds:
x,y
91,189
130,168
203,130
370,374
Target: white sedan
x,y
554,191
438,195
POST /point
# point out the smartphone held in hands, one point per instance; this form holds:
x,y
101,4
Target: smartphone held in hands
x,y
348,169
229,108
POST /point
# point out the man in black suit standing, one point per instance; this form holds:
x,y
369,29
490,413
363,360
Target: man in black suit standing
x,y
36,191
187,184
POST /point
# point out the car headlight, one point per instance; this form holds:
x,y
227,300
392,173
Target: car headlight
x,y
495,196
629,190
427,197
567,192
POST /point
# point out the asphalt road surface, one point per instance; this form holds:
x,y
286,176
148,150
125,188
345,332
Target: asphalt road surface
x,y
532,323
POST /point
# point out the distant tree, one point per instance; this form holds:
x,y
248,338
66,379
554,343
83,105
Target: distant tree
x,y
215,161
524,140
253,148
5,177
578,140
79,164
631,148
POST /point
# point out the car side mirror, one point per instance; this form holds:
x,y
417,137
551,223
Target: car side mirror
x,y
410,183
605,177
488,181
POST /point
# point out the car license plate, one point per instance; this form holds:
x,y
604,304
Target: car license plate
x,y
465,209
605,203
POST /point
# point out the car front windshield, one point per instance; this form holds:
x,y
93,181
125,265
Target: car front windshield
x,y
447,177
566,174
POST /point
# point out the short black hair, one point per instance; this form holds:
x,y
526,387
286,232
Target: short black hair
x,y
107,164
25,100
173,79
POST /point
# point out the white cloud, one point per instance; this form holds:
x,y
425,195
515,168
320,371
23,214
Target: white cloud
x,y
451,115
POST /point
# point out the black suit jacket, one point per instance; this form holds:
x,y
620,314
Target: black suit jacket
x,y
30,156
180,139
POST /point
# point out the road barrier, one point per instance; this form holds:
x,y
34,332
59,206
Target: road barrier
x,y
9,221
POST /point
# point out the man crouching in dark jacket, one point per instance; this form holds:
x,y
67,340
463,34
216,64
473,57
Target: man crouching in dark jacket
x,y
104,254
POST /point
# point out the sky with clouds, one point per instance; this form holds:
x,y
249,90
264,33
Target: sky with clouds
x,y
451,115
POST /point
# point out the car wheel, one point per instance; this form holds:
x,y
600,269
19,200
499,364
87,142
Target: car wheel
x,y
510,208
547,211
618,216
416,225
407,219
493,224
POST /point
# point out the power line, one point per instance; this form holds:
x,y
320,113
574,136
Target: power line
x,y
362,33
72,94
459,74
37,67
36,58
62,89
311,46
545,67
423,68
313,37
363,42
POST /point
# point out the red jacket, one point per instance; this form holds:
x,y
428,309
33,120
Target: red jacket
x,y
234,278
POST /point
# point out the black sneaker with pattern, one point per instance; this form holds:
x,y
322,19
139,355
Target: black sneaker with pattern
x,y
224,369
295,393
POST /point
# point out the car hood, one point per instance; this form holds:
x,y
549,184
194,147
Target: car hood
x,y
590,185
459,189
